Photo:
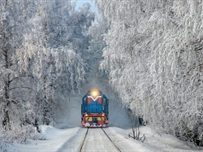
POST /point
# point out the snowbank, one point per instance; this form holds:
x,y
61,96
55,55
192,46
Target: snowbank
x,y
53,139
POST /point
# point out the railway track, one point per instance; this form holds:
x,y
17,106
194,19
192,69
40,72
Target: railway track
x,y
86,134
111,140
83,142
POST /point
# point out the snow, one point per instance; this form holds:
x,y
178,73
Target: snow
x,y
153,142
53,140
70,139
70,135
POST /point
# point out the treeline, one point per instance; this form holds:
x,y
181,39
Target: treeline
x,y
41,63
154,60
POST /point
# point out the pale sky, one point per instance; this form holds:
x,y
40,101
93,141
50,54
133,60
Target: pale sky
x,y
79,3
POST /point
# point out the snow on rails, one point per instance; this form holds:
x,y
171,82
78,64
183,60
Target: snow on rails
x,y
105,142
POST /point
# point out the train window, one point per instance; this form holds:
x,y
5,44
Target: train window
x,y
85,100
104,101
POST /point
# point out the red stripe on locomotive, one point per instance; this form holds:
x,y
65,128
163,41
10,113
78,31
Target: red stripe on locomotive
x,y
88,100
100,100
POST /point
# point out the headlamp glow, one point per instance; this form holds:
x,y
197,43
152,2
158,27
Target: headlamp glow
x,y
94,93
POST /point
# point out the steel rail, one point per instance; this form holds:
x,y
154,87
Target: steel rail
x,y
111,140
83,142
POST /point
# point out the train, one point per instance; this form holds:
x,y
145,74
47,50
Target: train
x,y
94,109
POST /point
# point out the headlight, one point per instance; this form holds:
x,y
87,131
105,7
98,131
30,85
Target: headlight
x,y
94,93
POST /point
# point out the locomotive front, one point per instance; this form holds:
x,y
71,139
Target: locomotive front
x,y
94,109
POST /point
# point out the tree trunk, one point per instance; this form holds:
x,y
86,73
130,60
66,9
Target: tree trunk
x,y
6,119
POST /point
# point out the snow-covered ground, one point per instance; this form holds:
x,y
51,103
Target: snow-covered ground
x,y
70,140
153,142
70,135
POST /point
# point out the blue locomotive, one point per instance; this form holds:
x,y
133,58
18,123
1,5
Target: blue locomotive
x,y
94,109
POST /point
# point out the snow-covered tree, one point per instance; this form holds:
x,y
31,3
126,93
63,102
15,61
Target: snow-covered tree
x,y
12,20
41,47
53,64
154,61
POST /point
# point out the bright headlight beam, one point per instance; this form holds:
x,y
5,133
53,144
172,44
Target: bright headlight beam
x,y
94,93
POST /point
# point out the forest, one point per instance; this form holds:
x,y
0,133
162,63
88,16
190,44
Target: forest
x,y
149,52
154,60
41,47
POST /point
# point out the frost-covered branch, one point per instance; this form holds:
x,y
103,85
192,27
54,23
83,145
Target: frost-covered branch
x,y
153,58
